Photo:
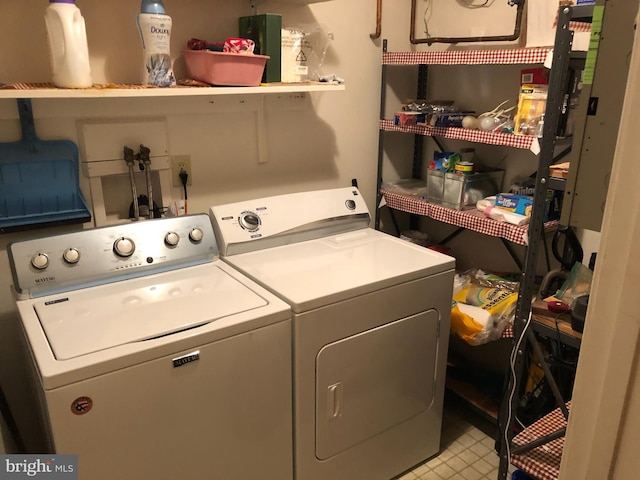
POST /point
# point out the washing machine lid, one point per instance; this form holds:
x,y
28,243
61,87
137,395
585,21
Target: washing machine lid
x,y
84,321
322,271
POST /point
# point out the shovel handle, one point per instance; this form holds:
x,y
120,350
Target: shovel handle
x,y
26,119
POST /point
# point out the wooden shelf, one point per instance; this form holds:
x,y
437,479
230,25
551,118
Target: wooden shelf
x,y
471,219
474,397
475,136
553,325
138,91
512,56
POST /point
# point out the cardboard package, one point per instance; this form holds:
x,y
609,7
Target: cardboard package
x,y
265,30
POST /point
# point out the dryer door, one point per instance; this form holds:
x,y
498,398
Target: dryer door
x,y
375,380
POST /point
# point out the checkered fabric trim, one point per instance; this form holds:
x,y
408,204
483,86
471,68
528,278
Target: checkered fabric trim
x,y
471,219
522,56
542,462
580,26
507,332
477,136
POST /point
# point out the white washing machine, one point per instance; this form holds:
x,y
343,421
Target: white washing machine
x,y
153,358
370,328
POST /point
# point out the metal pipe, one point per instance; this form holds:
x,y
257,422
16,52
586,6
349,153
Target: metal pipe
x,y
499,38
378,31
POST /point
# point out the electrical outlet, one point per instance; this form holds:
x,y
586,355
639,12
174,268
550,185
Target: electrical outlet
x,y
178,164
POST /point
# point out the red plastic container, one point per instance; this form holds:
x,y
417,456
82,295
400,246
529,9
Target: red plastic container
x,y
225,69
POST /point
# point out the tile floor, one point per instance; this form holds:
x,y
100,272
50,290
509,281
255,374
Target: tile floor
x,y
467,448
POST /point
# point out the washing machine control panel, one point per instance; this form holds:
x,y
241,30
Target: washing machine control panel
x,y
287,218
91,257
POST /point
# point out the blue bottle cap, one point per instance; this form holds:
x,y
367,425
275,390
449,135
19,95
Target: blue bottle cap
x,y
152,6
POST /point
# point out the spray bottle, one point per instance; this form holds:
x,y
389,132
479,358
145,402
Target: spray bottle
x,y
68,50
155,31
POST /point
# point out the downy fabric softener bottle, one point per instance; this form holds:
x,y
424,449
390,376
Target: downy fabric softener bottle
x,y
155,31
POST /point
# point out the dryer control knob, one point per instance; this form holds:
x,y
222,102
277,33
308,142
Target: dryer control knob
x,y
124,247
172,239
250,221
40,261
196,235
71,255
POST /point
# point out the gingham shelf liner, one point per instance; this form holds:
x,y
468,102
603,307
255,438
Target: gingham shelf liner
x,y
542,462
477,136
516,56
580,26
507,332
471,219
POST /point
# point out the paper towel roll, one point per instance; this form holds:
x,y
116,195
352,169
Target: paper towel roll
x,y
478,314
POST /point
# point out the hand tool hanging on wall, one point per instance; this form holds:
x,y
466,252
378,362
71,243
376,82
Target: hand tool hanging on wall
x,y
146,165
129,158
184,176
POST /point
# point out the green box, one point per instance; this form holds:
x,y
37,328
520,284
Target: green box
x,y
266,31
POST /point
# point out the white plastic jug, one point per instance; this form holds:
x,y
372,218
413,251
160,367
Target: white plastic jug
x,y
68,50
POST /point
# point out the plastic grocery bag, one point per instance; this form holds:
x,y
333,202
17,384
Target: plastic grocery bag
x,y
303,50
483,305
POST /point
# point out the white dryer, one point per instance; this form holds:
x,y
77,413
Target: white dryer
x,y
153,359
370,328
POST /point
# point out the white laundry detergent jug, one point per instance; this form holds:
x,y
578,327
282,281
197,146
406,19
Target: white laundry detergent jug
x,y
68,50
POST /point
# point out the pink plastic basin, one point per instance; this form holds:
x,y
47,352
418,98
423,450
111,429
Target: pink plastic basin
x,y
226,69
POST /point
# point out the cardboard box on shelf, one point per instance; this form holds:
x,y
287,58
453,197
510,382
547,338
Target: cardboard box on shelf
x,y
560,170
520,204
534,76
408,119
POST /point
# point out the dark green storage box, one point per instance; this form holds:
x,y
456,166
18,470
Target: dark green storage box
x,y
266,31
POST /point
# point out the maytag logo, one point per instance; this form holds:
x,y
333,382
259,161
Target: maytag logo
x,y
53,467
188,358
46,279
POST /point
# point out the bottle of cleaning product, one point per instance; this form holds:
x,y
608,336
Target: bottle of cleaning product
x,y
68,50
155,31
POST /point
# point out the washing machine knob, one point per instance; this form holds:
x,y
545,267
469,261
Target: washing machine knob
x,y
172,239
40,261
71,255
250,221
124,247
196,235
